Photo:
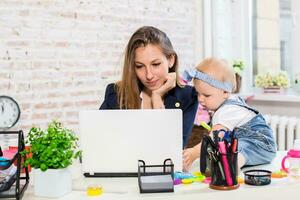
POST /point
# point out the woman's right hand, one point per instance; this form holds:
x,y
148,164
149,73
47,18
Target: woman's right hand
x,y
169,84
157,95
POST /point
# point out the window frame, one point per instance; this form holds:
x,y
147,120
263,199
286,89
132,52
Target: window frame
x,y
244,9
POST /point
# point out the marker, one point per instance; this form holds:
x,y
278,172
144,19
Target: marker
x,y
223,152
205,125
234,145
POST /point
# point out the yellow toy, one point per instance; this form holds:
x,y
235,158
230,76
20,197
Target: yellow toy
x,y
94,190
187,181
279,174
198,177
240,180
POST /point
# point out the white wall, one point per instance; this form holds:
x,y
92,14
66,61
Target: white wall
x,y
56,57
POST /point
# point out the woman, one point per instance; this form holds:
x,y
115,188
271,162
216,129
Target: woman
x,y
150,79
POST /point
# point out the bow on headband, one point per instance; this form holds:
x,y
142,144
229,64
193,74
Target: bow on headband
x,y
188,75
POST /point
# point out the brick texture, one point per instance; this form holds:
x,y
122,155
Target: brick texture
x,y
57,56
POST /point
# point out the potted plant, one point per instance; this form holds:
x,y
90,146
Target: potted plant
x,y
53,151
238,67
272,82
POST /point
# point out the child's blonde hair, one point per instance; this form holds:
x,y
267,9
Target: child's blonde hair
x,y
218,69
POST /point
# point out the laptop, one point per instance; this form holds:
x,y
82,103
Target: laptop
x,y
113,141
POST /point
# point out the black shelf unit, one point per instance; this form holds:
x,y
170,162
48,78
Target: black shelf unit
x,y
20,184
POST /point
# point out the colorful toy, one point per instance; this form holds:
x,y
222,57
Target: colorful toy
x,y
94,190
177,182
240,180
279,174
182,175
187,178
207,180
197,174
187,181
198,177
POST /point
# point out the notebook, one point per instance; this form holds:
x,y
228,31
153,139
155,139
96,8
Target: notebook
x,y
113,141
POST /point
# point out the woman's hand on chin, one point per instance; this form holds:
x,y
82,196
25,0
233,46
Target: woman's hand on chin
x,y
169,84
157,95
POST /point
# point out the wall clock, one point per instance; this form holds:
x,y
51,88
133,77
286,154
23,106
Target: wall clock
x,y
9,112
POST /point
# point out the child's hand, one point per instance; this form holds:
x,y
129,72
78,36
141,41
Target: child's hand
x,y
189,156
219,127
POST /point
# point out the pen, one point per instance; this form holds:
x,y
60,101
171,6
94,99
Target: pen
x,y
222,150
234,155
212,154
234,145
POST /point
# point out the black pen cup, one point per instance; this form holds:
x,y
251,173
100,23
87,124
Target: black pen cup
x,y
224,170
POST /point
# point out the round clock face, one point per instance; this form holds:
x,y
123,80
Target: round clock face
x,y
9,112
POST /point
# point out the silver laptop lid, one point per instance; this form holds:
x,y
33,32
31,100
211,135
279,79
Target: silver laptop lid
x,y
114,140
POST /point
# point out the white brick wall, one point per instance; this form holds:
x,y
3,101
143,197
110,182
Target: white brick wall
x,y
56,56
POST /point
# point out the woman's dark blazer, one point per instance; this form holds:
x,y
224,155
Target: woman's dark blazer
x,y
178,98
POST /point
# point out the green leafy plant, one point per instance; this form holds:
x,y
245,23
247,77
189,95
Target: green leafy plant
x,y
238,66
53,148
279,79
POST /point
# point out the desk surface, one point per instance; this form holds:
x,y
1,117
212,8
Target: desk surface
x,y
127,188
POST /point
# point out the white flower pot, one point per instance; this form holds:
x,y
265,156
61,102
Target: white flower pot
x,y
52,183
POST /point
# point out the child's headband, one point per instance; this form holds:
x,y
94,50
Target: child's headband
x,y
188,75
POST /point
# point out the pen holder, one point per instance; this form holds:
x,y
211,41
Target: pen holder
x,y
220,158
224,176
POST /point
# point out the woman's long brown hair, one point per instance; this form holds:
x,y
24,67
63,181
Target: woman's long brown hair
x,y
129,88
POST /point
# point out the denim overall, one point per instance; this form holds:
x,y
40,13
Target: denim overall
x,y
255,138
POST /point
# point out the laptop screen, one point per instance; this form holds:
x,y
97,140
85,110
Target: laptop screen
x,y
113,141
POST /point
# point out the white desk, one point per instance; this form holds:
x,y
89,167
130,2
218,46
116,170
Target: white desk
x,y
127,188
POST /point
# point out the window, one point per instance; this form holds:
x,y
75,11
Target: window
x,y
227,32
262,33
276,27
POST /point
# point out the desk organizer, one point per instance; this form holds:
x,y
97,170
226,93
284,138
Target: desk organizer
x,y
221,157
258,177
156,178
13,185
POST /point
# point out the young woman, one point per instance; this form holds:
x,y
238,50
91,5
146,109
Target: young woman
x,y
150,79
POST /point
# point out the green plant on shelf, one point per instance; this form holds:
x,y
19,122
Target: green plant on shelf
x,y
238,66
53,148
